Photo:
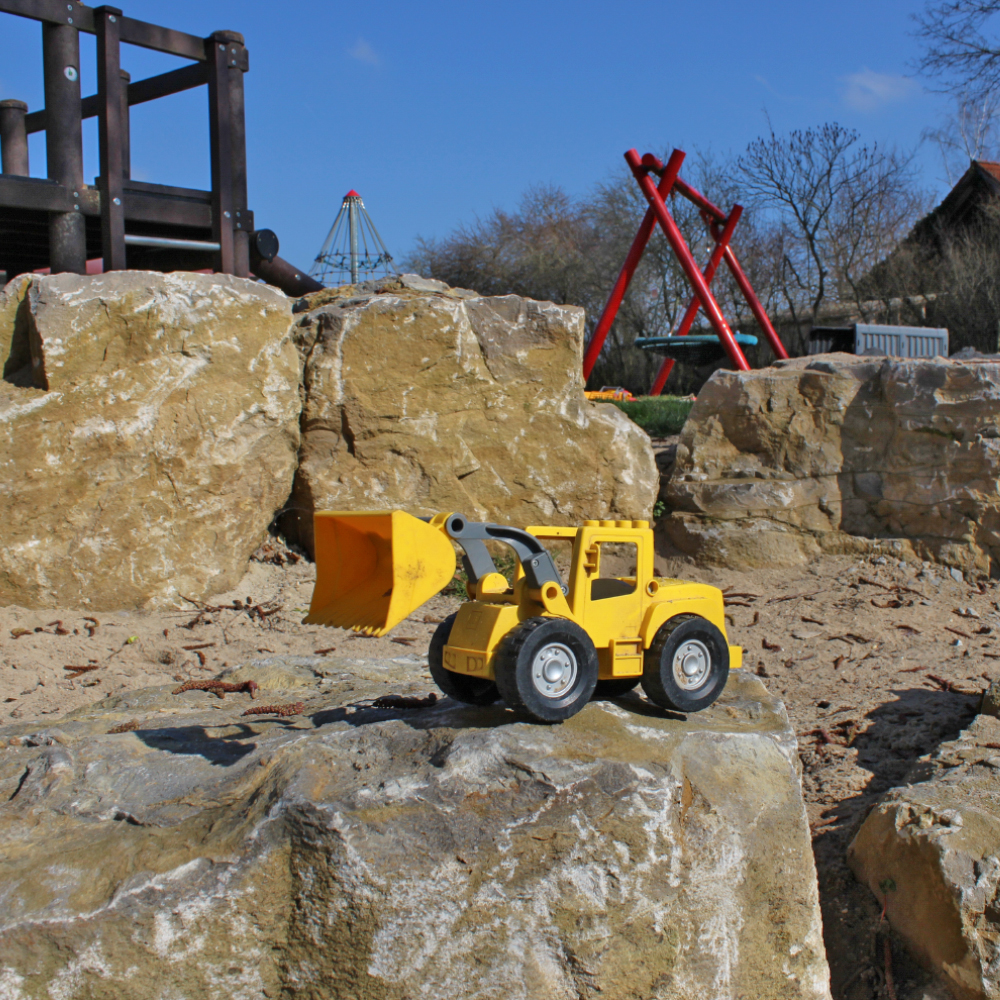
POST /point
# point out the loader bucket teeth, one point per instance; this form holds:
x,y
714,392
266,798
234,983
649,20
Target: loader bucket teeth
x,y
373,568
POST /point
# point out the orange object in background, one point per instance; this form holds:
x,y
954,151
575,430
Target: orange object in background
x,y
609,392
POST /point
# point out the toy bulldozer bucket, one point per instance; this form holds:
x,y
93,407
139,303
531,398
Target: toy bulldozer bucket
x,y
373,568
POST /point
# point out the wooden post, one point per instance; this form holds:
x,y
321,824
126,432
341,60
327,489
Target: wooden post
x,y
13,138
64,144
109,95
126,128
220,139
238,63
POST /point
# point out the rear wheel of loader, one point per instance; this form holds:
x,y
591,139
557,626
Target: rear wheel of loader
x,y
461,687
687,664
546,669
614,687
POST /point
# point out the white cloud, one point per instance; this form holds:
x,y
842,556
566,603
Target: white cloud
x,y
869,91
363,52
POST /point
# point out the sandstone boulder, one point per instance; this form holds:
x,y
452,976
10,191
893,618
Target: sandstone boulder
x,y
430,398
930,851
360,852
148,433
836,453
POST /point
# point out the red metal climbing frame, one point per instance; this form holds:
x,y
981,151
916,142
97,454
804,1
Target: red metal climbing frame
x,y
721,227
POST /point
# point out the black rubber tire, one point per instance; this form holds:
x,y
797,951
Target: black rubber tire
x,y
658,676
461,687
516,656
614,687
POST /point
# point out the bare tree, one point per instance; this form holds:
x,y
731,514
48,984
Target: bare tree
x,y
539,251
963,60
958,51
570,251
823,209
971,132
838,207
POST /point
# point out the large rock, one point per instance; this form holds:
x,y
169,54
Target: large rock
x,y
363,853
436,399
837,453
930,851
148,433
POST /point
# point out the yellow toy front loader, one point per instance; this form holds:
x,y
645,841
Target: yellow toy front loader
x,y
542,645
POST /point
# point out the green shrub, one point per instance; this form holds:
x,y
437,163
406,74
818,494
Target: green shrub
x,y
658,416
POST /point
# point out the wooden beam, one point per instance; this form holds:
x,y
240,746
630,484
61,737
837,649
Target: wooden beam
x,y
52,12
109,93
37,121
152,36
126,126
143,207
220,142
187,207
238,63
142,33
168,191
150,89
34,192
13,138
64,143
177,80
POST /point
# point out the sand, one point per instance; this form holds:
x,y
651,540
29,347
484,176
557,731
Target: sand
x,y
877,663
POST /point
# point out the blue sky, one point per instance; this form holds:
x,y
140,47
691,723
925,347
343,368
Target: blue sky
x,y
437,111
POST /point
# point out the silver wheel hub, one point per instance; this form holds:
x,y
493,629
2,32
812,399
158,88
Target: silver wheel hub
x,y
554,670
692,664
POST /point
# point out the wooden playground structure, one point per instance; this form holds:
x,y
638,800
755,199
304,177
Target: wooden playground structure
x,y
62,223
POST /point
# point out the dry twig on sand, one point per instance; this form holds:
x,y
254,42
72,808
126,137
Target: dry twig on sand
x,y
292,708
218,687
79,671
949,686
957,631
125,727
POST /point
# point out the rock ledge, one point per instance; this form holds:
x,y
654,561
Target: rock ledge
x,y
382,853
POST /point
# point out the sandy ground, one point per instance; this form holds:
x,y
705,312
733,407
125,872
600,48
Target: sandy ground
x,y
877,662
54,661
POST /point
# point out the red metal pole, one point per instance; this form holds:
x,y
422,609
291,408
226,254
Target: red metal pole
x,y
687,262
604,324
700,200
763,321
741,279
722,242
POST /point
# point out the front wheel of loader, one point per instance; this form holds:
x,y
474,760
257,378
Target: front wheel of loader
x,y
461,687
546,669
686,665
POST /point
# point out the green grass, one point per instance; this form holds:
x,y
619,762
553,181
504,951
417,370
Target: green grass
x,y
658,416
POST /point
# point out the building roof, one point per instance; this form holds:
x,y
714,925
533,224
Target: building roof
x,y
993,169
959,207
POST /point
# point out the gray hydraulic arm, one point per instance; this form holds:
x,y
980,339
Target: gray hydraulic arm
x,y
536,560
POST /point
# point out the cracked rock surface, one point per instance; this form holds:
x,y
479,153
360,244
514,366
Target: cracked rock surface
x,y
841,454
352,851
431,398
148,432
929,852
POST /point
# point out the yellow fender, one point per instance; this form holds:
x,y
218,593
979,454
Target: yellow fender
x,y
708,606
